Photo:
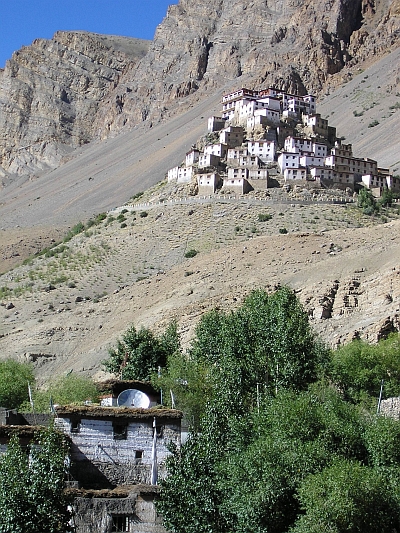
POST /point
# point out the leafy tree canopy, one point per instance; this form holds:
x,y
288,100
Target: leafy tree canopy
x,y
140,352
273,444
31,486
358,369
14,379
63,390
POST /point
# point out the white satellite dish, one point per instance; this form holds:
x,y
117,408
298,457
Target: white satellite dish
x,y
133,398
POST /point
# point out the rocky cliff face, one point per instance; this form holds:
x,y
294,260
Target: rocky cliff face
x,y
298,45
61,93
50,92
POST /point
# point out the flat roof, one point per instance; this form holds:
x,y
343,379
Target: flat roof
x,y
96,411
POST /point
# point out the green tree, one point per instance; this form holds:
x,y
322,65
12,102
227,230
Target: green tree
x,y
366,201
139,353
347,498
358,369
244,367
387,197
63,390
14,379
189,380
31,486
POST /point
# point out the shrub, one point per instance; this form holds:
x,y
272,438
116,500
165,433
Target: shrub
x,y
137,195
263,217
143,214
373,123
283,230
191,253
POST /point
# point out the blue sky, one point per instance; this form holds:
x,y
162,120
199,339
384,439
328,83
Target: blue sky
x,y
22,21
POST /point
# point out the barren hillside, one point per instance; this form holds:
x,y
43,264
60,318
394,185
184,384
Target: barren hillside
x,y
63,311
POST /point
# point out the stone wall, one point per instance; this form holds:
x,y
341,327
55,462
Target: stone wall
x,y
101,458
391,408
95,515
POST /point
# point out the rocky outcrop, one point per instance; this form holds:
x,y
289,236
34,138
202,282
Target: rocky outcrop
x,y
50,93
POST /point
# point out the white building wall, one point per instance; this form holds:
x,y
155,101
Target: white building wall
x,y
192,157
208,160
286,160
294,173
311,160
185,174
216,149
173,174
265,150
237,173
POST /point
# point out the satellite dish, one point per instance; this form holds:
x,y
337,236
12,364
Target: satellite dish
x,y
133,398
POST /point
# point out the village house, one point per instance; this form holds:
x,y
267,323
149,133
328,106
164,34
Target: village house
x,y
232,136
208,183
219,149
288,159
192,157
209,160
294,174
265,150
117,456
113,446
216,124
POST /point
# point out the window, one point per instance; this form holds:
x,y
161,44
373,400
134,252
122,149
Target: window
x,y
120,523
75,425
120,431
138,455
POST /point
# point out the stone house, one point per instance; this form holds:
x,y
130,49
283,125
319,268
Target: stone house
x,y
215,124
264,149
288,159
296,173
192,157
208,183
112,446
209,160
219,149
232,136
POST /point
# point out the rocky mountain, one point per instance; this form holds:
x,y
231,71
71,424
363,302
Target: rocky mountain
x,y
59,94
50,93
91,120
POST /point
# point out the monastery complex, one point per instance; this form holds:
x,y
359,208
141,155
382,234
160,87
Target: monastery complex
x,y
270,138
